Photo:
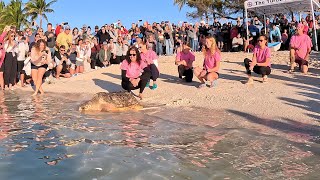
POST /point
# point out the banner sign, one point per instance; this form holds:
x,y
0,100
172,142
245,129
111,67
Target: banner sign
x,y
259,3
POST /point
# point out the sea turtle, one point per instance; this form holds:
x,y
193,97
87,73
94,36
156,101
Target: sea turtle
x,y
111,102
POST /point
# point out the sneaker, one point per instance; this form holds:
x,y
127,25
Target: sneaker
x,y
203,85
154,87
214,84
265,79
148,84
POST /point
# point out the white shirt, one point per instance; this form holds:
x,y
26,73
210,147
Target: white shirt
x,y
23,49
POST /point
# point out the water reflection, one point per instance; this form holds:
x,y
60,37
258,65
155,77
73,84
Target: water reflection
x,y
46,137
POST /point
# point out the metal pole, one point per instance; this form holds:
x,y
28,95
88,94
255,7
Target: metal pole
x,y
300,17
246,21
265,24
314,27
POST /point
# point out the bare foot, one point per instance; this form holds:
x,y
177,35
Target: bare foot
x,y
250,81
34,94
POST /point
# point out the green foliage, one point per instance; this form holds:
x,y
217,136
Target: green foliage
x,y
18,14
39,9
215,8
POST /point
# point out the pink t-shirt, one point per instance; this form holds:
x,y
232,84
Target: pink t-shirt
x,y
302,43
262,54
149,57
210,61
134,70
188,57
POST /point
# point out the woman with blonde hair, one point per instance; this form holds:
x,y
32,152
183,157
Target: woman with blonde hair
x,y
10,63
40,60
211,64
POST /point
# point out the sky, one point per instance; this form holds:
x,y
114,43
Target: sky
x,y
100,12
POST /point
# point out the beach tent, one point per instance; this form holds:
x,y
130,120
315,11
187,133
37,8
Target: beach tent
x,y
267,7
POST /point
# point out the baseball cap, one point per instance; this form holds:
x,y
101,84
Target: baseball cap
x,y
105,43
67,27
84,26
96,27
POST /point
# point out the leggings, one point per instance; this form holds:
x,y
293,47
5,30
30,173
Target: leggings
x,y
144,78
154,72
188,73
93,60
263,70
10,69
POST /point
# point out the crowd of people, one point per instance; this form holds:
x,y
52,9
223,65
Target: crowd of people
x,y
34,55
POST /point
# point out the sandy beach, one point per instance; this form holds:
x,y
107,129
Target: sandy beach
x,y
293,96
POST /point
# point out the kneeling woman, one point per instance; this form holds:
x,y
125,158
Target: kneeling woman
x,y
184,60
261,60
135,73
211,63
151,59
40,59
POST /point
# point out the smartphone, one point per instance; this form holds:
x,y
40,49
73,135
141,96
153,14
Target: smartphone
x,y
140,20
166,21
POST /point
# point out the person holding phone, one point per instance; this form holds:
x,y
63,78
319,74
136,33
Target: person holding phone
x,y
62,61
40,59
10,61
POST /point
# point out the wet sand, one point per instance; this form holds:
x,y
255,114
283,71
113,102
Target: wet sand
x,y
293,96
228,132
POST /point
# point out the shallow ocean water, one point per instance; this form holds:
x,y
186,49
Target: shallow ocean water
x,y
47,138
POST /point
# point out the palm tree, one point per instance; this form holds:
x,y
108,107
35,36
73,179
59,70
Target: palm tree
x,y
38,9
180,3
13,14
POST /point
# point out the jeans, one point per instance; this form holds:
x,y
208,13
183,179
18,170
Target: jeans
x,y
169,47
195,45
52,50
191,41
159,48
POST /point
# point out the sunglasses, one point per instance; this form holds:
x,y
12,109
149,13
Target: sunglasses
x,y
134,55
62,50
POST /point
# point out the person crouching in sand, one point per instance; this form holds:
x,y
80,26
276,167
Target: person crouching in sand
x,y
261,60
211,63
184,60
300,48
135,72
151,59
